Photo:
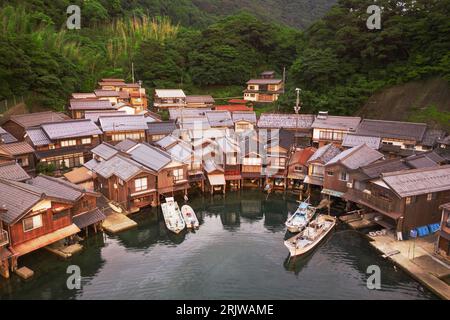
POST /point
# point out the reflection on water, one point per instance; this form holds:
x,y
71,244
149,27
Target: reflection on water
x,y
237,253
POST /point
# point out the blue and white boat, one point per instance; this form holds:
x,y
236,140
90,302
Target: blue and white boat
x,y
301,217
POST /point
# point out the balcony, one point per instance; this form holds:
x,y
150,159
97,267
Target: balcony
x,y
4,240
389,207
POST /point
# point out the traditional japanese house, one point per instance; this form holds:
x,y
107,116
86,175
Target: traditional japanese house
x,y
17,125
220,119
23,153
353,140
78,107
110,95
331,129
127,182
234,108
395,135
80,95
6,137
203,101
81,177
229,156
119,128
112,84
244,121
94,116
158,130
264,89
443,242
431,139
178,114
252,160
33,218
171,174
405,200
298,167
299,124
13,171
216,176
316,164
64,145
169,98
337,170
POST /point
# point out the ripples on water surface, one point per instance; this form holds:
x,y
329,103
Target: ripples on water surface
x,y
237,253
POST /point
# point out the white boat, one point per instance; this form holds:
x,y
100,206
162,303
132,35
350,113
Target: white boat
x,y
301,217
190,218
172,216
311,236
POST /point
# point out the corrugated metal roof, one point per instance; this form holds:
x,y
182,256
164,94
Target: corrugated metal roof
x,y
150,156
392,129
170,93
105,151
418,181
38,137
13,171
286,121
17,148
71,129
38,118
336,122
211,166
123,123
353,140
88,218
356,157
90,104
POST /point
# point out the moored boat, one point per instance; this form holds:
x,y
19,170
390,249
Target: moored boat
x,y
189,216
311,236
301,217
172,216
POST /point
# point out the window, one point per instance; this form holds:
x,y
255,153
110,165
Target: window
x,y
178,175
23,162
51,146
86,141
298,169
251,87
409,200
32,223
140,184
158,137
317,170
343,176
68,143
430,196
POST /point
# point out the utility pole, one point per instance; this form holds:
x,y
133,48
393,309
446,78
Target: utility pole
x,y
298,105
132,71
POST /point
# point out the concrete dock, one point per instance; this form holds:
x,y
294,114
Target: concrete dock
x,y
65,252
117,222
416,257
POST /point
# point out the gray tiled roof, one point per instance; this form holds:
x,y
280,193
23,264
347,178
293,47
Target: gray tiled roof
x,y
106,93
123,123
13,171
200,99
17,148
356,157
105,151
432,136
336,122
71,129
264,81
166,141
94,115
37,118
353,140
219,118
419,181
119,166
91,104
125,145
163,127
285,120
38,137
176,113
374,170
392,129
150,156
325,153
249,116
17,198
89,218
6,137
57,188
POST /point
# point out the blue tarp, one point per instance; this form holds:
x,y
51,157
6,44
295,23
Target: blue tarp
x,y
434,227
423,231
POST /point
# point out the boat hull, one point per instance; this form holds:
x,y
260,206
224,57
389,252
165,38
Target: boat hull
x,y
190,218
172,217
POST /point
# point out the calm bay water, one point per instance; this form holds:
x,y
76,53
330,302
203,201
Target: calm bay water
x,y
237,253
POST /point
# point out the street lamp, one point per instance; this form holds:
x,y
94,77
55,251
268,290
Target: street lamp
x,y
298,104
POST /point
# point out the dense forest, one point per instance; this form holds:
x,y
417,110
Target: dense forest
x,y
195,45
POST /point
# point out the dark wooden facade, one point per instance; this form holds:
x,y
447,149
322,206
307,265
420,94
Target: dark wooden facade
x,y
443,242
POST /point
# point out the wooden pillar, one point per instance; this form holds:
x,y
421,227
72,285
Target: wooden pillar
x,y
4,268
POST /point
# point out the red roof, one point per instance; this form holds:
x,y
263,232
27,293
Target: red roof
x,y
302,156
234,107
237,101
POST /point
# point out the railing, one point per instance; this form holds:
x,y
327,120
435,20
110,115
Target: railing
x,y
4,240
374,201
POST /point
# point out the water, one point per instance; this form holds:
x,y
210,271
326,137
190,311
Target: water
x,y
237,253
